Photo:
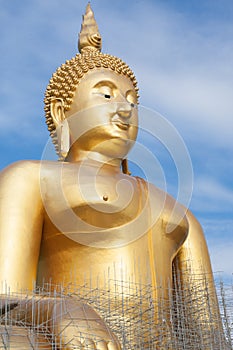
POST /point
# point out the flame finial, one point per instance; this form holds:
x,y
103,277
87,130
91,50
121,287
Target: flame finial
x,y
89,36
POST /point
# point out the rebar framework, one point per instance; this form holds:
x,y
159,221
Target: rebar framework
x,y
130,312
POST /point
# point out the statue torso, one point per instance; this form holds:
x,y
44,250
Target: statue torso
x,y
104,226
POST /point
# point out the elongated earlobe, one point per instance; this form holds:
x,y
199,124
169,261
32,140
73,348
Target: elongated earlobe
x,y
125,168
62,127
65,139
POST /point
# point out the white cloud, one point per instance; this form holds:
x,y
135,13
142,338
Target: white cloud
x,y
211,195
190,78
221,257
220,242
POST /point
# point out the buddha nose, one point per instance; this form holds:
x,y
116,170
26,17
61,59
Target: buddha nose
x,y
124,110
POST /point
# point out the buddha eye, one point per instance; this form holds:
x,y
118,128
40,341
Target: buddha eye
x,y
131,97
105,88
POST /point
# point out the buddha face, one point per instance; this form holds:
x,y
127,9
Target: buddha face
x,y
103,116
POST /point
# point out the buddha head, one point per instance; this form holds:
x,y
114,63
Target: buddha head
x,y
90,69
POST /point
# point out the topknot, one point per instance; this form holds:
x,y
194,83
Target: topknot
x,y
89,36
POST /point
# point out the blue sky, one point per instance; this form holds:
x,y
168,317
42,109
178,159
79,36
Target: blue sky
x,y
182,55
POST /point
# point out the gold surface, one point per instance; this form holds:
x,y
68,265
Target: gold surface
x,y
121,232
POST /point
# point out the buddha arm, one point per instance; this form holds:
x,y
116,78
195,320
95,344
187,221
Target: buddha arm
x,y
21,220
196,284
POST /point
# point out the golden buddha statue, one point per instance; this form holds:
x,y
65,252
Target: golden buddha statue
x,y
84,221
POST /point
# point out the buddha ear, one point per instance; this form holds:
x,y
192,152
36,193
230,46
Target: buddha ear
x,y
57,111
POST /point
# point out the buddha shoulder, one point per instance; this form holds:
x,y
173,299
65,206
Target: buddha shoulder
x,y
20,175
28,168
31,169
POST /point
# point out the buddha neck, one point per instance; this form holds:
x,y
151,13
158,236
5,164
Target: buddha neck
x,y
95,159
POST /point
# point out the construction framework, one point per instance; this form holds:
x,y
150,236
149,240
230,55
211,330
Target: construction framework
x,y
130,315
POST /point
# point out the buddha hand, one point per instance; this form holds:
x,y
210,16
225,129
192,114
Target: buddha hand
x,y
76,325
64,322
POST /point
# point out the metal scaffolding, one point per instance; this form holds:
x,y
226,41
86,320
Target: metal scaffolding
x,y
130,312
